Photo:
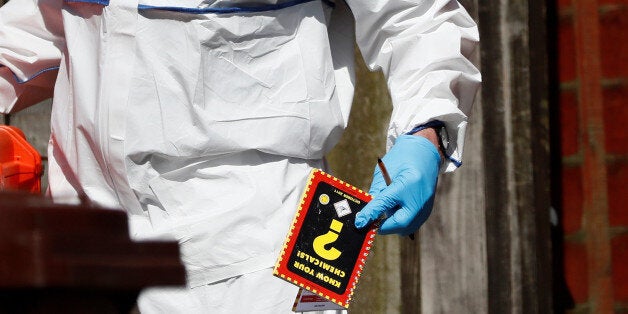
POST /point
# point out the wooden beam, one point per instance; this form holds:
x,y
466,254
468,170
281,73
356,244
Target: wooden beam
x,y
516,151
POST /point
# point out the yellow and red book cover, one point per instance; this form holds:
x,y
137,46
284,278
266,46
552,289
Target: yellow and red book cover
x,y
324,253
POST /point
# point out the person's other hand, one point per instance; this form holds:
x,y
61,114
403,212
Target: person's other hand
x,y
413,164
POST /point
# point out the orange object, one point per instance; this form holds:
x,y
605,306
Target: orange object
x,y
20,163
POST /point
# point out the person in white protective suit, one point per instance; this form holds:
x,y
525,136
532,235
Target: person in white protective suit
x,y
203,118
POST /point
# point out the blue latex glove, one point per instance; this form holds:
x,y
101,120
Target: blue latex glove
x,y
413,165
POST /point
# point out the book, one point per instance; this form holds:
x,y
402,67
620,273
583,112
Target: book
x,y
324,253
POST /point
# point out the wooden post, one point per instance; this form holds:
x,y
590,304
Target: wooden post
x,y
516,156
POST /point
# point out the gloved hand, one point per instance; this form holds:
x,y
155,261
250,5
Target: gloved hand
x,y
413,165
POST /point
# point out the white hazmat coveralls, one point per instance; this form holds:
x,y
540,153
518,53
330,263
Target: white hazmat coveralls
x,y
203,118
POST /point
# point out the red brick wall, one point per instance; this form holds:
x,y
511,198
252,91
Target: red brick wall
x,y
593,74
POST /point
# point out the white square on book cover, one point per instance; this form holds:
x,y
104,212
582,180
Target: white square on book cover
x,y
342,208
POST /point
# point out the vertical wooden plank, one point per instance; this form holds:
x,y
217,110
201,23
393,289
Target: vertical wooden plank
x,y
595,194
517,194
411,279
453,240
539,22
499,210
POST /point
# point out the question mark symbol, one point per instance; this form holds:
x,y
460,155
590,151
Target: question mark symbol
x,y
330,237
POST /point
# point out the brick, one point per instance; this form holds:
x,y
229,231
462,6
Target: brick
x,y
576,273
619,245
615,98
566,49
569,123
571,200
564,4
614,41
617,177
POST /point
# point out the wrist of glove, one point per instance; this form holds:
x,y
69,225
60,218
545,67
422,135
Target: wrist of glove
x,y
413,165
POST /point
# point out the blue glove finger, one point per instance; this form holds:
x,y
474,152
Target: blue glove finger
x,y
377,186
396,222
403,216
390,201
374,209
